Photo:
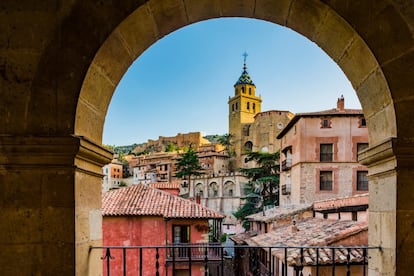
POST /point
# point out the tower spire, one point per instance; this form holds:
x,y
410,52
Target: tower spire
x,y
245,57
244,78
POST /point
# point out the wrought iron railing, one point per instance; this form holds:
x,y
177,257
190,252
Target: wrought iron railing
x,y
286,164
218,260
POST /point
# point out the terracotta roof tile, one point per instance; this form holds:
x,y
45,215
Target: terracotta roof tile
x,y
166,185
280,212
141,200
312,232
330,112
355,200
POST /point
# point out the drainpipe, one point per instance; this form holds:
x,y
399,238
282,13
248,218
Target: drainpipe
x,y
166,231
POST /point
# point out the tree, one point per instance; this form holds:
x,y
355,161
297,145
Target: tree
x,y
171,147
188,165
227,141
263,186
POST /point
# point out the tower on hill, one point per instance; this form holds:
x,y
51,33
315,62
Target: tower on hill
x,y
252,129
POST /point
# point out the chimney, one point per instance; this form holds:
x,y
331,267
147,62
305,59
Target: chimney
x,y
294,228
340,105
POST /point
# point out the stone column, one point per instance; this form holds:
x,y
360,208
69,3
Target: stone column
x,y
391,206
88,217
50,198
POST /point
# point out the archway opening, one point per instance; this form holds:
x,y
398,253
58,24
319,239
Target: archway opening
x,y
320,24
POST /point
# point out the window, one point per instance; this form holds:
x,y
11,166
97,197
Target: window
x,y
325,181
230,192
325,123
362,122
355,216
181,233
237,106
250,91
326,153
362,181
243,90
254,106
248,146
232,107
248,106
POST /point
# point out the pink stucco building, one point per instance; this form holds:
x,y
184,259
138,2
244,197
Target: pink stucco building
x,y
319,155
140,215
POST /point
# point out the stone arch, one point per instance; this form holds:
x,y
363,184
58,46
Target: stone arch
x,y
229,188
66,65
199,189
324,26
213,189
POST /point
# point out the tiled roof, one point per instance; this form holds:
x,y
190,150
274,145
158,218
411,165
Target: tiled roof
x,y
141,200
280,212
244,77
329,112
312,232
335,203
166,185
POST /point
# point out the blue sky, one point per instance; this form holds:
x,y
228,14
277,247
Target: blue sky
x,y
182,82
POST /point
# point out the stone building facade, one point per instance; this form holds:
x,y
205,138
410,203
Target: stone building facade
x,y
181,140
319,155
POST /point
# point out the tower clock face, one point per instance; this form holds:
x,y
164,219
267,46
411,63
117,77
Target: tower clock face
x,y
279,125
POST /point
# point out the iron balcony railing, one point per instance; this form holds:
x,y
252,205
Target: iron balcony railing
x,y
218,260
286,164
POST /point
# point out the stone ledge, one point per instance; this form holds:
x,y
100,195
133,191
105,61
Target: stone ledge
x,y
50,151
389,151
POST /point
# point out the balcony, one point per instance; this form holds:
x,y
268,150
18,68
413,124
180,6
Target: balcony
x,y
218,260
286,164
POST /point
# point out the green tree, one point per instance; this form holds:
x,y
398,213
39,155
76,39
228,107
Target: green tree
x,y
171,147
263,186
188,165
227,141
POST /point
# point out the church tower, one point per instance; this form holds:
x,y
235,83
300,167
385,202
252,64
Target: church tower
x,y
243,106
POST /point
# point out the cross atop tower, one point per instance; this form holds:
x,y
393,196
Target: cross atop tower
x,y
245,56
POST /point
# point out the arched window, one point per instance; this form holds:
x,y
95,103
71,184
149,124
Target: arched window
x,y
199,189
250,90
248,105
248,146
213,190
228,189
254,106
237,106
243,91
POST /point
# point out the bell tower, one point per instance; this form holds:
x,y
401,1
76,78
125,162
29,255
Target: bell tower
x,y
243,107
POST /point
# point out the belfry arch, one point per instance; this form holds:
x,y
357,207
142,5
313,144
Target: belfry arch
x,y
51,135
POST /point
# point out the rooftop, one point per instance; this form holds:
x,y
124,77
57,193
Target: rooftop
x,y
280,212
176,184
312,232
141,200
335,203
340,111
